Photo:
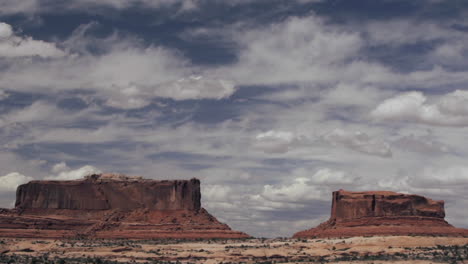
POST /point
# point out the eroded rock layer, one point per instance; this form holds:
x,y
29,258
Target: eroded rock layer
x,y
111,206
383,213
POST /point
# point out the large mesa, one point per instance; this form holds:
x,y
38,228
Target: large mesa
x,y
112,206
383,213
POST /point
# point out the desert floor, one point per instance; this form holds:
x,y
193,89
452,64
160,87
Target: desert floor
x,y
391,249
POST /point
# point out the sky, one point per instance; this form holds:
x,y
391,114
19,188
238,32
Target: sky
x,y
271,104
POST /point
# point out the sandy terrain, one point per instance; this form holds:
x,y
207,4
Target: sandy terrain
x,y
392,249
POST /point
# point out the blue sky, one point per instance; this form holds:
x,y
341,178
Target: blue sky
x,y
272,104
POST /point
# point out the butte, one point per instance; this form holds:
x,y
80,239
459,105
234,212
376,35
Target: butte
x,y
383,213
112,206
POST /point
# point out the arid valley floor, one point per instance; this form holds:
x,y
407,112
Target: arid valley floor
x,y
389,249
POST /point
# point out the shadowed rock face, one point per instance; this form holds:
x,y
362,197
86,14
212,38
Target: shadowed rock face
x,y
112,206
383,213
95,193
353,205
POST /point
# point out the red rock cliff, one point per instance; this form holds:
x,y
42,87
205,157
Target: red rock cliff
x,y
383,213
112,206
353,205
106,193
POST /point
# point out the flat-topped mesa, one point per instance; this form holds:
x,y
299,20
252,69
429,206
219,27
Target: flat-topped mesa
x,y
383,213
354,205
112,206
110,191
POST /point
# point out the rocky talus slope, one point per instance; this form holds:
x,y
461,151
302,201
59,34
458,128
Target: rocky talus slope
x,y
383,213
111,206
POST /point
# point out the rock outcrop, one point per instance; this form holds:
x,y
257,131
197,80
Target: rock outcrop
x,y
383,213
111,206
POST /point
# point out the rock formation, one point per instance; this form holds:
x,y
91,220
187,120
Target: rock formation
x,y
383,213
111,206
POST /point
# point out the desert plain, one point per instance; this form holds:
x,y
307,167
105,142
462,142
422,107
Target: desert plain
x,y
377,249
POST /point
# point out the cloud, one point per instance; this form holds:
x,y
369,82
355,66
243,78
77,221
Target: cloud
x,y
9,182
127,75
38,111
12,46
403,31
63,172
30,7
450,110
44,6
197,87
276,141
422,144
294,51
360,142
15,7
444,177
450,53
3,94
303,188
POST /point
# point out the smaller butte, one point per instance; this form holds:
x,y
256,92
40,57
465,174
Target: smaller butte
x,y
383,213
112,206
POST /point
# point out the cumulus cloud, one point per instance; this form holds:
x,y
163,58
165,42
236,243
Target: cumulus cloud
x,y
450,110
63,172
435,181
9,182
276,141
303,188
126,75
12,46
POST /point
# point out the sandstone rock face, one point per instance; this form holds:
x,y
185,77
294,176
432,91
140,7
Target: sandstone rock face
x,y
96,193
383,213
111,206
353,205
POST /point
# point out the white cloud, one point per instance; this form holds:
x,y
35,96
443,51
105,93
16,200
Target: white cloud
x,y
303,188
196,87
3,94
455,103
450,110
450,53
38,111
295,51
444,177
9,182
5,31
60,167
127,75
276,141
65,173
359,141
12,46
216,193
